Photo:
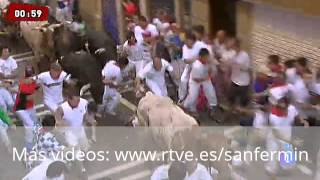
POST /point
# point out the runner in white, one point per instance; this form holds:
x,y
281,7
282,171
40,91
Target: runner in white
x,y
281,119
154,74
52,85
111,75
201,73
134,52
219,42
196,171
72,115
145,26
190,52
48,169
8,74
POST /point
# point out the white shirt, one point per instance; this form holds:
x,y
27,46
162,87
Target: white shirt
x,y
219,48
150,74
284,124
52,89
161,173
112,72
74,116
299,91
276,93
153,30
260,119
201,173
228,55
163,28
315,88
138,31
240,69
199,70
39,172
291,75
7,67
156,21
191,53
134,52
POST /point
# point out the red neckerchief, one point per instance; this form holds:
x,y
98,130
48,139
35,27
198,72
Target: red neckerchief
x,y
204,63
131,44
278,112
277,68
278,83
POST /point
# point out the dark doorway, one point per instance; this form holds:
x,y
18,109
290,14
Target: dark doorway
x,y
223,16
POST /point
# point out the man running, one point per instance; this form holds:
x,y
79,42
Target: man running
x,y
201,74
72,115
154,74
111,75
8,74
190,52
52,84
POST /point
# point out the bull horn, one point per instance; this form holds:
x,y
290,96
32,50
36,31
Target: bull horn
x,y
84,89
43,29
100,50
53,26
68,22
37,28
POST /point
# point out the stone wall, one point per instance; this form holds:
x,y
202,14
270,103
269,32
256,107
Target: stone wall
x,y
200,13
91,12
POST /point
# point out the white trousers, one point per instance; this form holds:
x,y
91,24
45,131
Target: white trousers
x,y
76,137
183,87
317,174
194,89
6,99
111,99
51,104
274,144
137,65
29,118
157,88
4,135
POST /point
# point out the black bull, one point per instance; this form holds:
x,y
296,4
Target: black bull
x,y
85,68
100,44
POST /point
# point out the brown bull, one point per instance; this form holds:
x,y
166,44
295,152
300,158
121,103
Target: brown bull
x,y
39,37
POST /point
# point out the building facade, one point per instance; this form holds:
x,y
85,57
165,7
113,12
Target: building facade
x,y
286,28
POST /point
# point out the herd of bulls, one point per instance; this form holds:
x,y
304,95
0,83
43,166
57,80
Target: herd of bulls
x,y
82,57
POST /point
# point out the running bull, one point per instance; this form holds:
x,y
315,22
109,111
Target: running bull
x,y
84,67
